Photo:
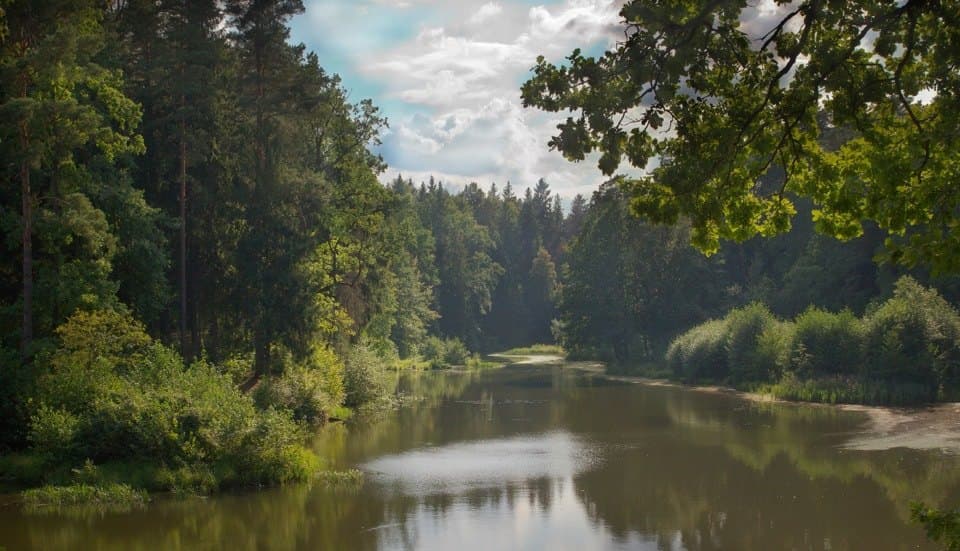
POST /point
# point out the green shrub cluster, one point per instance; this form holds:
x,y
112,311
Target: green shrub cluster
x,y
904,350
365,377
311,389
110,395
444,353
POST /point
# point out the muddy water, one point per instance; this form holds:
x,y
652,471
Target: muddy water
x,y
548,457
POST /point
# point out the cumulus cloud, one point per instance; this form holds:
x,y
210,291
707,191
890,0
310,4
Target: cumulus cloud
x,y
450,81
486,11
460,80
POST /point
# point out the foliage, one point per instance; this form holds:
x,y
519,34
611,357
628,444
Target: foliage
x,y
630,287
311,389
455,352
825,343
747,360
107,408
535,349
84,494
941,526
700,353
365,377
440,353
901,353
720,103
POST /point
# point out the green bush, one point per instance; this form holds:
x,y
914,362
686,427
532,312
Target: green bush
x,y
441,353
433,350
942,332
906,350
311,389
898,347
237,368
825,343
455,352
700,353
184,420
747,361
773,348
365,376
53,433
273,452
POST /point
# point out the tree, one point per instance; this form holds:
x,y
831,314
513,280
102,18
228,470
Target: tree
x,y
64,109
720,105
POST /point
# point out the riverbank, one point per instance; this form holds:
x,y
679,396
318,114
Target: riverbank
x,y
929,427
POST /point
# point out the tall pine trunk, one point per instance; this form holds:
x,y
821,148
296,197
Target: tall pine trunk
x,y
26,332
184,339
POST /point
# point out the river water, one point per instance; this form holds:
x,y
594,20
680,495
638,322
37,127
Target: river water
x,y
554,458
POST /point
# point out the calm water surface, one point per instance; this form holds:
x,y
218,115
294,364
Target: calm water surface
x,y
534,457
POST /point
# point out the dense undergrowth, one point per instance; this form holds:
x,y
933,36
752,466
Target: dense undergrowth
x,y
111,413
905,350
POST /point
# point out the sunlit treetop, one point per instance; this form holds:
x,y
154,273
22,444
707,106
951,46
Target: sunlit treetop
x,y
853,104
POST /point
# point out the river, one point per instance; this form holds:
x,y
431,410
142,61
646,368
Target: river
x,y
555,458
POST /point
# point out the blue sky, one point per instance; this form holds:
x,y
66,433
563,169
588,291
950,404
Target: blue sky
x,y
447,76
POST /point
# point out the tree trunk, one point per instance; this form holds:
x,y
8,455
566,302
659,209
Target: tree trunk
x,y
26,333
261,357
184,339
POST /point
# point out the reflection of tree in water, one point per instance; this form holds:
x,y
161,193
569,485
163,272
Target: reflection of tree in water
x,y
729,474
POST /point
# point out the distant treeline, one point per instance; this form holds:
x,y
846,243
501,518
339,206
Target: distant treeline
x,y
630,288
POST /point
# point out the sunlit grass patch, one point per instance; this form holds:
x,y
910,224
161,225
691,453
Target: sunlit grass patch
x,y
553,349
350,478
84,494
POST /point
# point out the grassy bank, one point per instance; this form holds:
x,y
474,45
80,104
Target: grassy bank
x,y
534,350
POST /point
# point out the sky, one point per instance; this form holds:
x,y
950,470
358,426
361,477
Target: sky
x,y
447,75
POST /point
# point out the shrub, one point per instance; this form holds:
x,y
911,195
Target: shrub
x,y
898,347
272,452
53,433
942,330
365,376
237,368
773,348
745,360
192,422
825,343
310,389
443,353
433,349
700,353
455,352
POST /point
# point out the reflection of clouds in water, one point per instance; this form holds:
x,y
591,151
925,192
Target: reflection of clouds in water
x,y
483,463
517,522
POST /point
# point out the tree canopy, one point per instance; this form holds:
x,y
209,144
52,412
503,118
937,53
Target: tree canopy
x,y
856,103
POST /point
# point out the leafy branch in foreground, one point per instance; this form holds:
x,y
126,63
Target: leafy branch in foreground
x,y
852,104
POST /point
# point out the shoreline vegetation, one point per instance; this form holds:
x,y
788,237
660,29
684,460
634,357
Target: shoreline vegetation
x,y
119,417
904,351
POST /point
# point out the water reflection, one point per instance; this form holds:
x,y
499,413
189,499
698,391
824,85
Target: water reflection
x,y
480,464
553,458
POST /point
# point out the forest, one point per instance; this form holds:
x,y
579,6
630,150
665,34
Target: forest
x,y
203,262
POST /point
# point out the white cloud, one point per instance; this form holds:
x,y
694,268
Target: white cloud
x,y
486,11
462,80
448,75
